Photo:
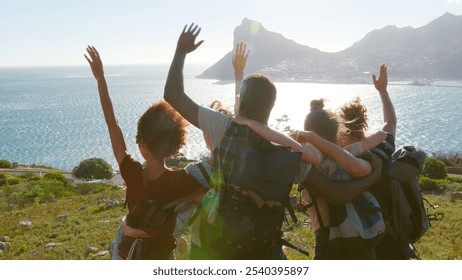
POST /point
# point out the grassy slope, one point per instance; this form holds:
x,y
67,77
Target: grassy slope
x,y
96,226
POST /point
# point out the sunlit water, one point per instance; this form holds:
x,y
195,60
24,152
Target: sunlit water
x,y
52,116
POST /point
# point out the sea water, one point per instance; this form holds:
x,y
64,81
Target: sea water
x,y
52,116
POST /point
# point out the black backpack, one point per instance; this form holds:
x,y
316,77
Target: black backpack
x,y
254,179
400,195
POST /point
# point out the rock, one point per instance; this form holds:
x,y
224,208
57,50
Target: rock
x,y
111,203
62,218
100,255
4,238
89,250
283,59
83,208
51,246
27,224
1,252
105,222
456,196
3,245
122,200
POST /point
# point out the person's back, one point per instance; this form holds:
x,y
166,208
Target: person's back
x,y
352,113
256,180
258,95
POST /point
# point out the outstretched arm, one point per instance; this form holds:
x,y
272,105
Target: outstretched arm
x,y
338,193
174,87
367,143
356,167
239,61
308,153
388,110
115,133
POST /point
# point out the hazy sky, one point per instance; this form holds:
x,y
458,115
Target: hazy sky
x,y
55,32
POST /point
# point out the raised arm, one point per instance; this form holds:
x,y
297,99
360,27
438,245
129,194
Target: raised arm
x,y
174,87
115,133
338,193
356,167
308,153
389,115
239,61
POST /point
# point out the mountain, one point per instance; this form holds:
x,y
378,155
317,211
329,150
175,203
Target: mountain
x,y
433,51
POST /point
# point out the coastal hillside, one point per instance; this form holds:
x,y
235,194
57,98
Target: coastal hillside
x,y
429,52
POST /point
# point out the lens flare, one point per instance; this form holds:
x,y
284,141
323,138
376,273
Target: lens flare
x,y
254,27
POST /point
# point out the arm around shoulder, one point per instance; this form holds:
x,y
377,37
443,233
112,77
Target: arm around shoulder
x,y
338,193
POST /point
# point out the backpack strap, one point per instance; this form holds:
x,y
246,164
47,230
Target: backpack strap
x,y
292,213
316,207
381,153
204,173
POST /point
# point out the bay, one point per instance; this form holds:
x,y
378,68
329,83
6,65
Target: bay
x,y
52,115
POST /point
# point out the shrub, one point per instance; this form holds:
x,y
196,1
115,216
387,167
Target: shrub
x,y
2,179
85,188
454,179
428,184
434,168
30,176
5,164
449,158
47,191
93,168
13,181
55,176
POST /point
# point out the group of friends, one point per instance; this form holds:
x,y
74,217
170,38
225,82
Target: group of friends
x,y
330,140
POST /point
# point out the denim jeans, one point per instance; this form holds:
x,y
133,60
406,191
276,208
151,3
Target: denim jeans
x,y
115,249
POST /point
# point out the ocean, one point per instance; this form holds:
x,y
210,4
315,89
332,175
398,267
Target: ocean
x,y
52,115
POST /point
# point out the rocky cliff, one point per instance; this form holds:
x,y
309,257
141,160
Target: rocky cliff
x,y
433,51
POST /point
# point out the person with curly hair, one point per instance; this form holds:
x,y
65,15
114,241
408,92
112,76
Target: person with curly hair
x,y
354,122
161,133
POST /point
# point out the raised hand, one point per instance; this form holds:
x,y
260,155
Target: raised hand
x,y
382,82
95,62
240,58
186,42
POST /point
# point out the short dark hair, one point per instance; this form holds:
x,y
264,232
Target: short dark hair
x,y
258,95
322,122
162,130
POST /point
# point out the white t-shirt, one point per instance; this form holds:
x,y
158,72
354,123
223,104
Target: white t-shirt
x,y
214,124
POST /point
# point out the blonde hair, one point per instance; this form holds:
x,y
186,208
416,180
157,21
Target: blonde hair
x,y
353,115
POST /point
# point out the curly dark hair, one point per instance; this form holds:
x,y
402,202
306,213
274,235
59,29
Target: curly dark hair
x,y
353,116
162,130
321,121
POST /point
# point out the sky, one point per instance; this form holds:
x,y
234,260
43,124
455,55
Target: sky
x,y
56,32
